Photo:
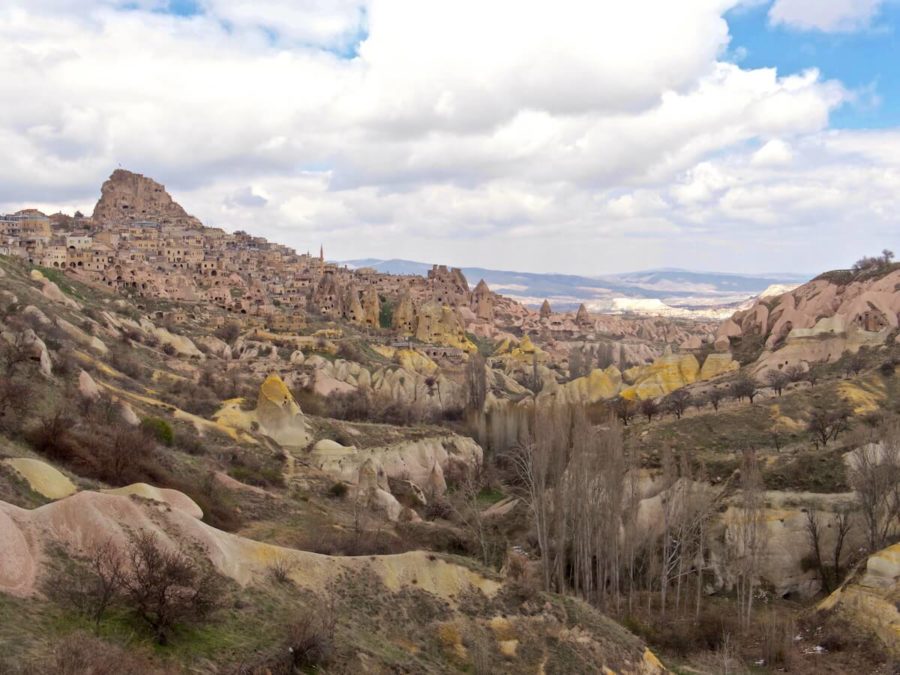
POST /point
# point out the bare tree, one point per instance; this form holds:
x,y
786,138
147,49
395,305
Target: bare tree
x,y
715,397
15,401
814,534
649,407
15,352
624,409
828,419
94,584
777,380
677,402
751,531
744,387
167,587
476,382
579,363
874,474
471,515
794,372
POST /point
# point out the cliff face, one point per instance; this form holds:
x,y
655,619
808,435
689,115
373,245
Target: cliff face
x,y
819,320
128,197
871,597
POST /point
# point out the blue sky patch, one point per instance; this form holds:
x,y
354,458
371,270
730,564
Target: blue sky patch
x,y
865,61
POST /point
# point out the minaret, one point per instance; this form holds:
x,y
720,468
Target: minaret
x,y
321,253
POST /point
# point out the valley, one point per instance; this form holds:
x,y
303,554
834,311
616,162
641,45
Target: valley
x,y
330,468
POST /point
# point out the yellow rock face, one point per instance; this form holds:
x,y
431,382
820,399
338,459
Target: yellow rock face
x,y
43,478
663,376
442,325
873,599
598,386
525,351
278,414
415,362
718,364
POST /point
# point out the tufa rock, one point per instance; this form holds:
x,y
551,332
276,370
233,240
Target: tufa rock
x,y
278,414
128,197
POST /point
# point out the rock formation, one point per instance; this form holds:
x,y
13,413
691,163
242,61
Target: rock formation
x,y
404,319
546,311
353,309
441,325
871,597
278,414
818,321
371,305
128,197
483,302
582,318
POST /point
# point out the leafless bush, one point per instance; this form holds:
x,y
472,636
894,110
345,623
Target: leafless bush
x,y
167,588
778,642
80,653
874,473
310,637
518,575
281,568
94,584
15,401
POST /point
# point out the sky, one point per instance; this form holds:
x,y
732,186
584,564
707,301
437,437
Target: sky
x,y
567,136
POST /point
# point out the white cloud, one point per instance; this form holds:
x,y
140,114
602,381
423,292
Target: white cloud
x,y
505,133
829,16
773,153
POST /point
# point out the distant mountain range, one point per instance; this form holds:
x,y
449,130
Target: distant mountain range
x,y
650,291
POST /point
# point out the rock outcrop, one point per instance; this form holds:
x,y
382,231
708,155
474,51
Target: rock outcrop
x,y
483,302
438,324
423,462
871,597
44,479
546,310
582,318
818,321
278,414
127,197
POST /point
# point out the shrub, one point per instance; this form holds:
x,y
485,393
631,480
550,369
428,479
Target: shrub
x,y
439,508
166,587
169,349
80,653
159,429
778,642
52,436
123,361
280,569
90,588
228,332
310,638
350,351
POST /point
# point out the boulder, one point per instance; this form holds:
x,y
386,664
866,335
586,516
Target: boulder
x,y
51,291
90,341
36,314
37,351
128,415
87,387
